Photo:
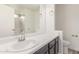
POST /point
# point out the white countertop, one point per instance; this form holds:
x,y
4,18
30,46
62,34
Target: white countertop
x,y
42,40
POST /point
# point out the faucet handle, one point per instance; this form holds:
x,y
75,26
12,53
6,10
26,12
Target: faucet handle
x,y
21,38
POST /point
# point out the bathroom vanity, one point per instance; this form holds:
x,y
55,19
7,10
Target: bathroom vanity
x,y
50,48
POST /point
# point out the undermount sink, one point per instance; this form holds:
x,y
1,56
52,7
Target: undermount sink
x,y
23,45
13,45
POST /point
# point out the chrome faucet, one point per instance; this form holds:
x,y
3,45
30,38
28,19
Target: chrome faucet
x,y
22,37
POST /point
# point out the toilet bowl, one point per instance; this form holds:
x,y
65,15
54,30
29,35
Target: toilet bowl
x,y
65,46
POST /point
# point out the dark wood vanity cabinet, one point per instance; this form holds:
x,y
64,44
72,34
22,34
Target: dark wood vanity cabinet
x,y
43,50
51,48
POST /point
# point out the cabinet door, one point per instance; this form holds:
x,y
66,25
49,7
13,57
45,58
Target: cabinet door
x,y
52,43
53,46
43,50
57,45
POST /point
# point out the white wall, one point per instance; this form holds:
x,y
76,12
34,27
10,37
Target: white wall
x,y
42,19
6,20
50,20
47,19
67,19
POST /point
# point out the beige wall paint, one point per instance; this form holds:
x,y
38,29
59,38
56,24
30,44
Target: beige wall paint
x,y
67,20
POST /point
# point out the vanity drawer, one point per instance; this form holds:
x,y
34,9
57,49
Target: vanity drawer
x,y
43,50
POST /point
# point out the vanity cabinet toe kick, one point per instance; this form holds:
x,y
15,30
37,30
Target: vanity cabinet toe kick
x,y
50,48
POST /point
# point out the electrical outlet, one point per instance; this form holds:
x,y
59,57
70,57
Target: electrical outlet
x,y
76,35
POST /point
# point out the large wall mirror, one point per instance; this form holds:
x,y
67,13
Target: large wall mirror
x,y
19,18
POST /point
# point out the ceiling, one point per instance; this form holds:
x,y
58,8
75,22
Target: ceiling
x,y
24,6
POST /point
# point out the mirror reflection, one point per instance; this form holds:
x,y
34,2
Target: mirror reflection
x,y
27,18
19,19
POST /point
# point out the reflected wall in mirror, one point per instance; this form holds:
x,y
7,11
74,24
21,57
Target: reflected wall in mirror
x,y
29,18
